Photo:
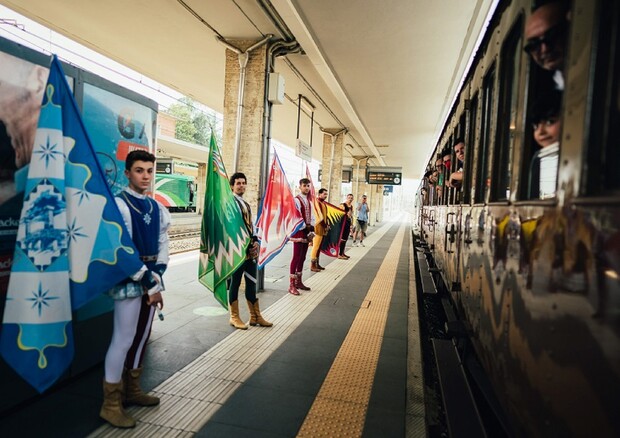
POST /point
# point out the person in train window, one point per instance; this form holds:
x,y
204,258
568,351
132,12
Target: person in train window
x,y
446,157
301,238
135,299
238,184
546,30
439,176
456,178
547,127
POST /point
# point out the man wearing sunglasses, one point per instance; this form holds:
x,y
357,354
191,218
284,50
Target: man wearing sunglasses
x,y
546,30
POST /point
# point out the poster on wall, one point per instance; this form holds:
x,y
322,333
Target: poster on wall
x,y
21,92
116,126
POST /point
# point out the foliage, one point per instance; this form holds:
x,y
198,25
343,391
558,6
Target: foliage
x,y
193,124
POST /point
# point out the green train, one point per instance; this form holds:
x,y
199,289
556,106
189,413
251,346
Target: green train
x,y
176,192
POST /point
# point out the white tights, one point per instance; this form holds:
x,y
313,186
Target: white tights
x,y
126,314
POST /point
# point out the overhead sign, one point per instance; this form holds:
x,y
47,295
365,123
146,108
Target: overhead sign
x,y
303,150
346,174
384,175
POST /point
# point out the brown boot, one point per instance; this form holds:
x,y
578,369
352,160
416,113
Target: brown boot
x,y
133,393
112,409
292,289
255,317
314,265
299,285
234,320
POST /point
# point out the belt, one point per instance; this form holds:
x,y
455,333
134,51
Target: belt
x,y
149,258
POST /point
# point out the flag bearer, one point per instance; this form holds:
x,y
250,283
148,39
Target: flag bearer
x,y
321,228
135,299
301,238
248,269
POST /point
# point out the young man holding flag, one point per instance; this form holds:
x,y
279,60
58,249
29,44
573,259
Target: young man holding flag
x,y
321,228
136,298
301,238
248,269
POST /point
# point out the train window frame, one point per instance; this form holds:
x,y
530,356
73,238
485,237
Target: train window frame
x,y
603,125
506,135
470,145
486,123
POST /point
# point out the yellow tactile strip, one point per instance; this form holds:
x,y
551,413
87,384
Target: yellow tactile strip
x,y
341,404
193,394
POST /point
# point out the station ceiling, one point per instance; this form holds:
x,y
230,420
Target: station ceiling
x,y
386,70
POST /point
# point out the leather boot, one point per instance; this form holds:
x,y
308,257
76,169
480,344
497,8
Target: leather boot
x,y
292,289
234,320
112,409
255,317
133,393
299,285
314,265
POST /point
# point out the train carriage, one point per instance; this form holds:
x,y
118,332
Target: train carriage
x,y
176,192
534,274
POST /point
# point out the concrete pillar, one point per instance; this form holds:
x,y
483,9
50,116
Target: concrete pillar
x,y
376,204
331,178
201,179
358,185
252,118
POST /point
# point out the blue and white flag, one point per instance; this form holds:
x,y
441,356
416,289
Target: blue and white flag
x,y
71,243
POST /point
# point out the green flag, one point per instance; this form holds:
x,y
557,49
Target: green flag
x,y
224,237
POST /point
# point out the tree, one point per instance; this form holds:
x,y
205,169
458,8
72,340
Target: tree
x,y
193,124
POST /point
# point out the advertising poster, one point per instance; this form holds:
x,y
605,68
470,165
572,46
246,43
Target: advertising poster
x,y
116,126
21,92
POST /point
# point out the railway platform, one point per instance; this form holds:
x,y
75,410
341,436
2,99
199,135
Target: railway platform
x,y
341,360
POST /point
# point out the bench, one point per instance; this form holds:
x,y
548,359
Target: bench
x,y
462,416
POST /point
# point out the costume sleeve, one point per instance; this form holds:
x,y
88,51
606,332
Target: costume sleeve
x,y
126,214
298,207
164,224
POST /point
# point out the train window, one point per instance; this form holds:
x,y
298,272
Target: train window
x,y
605,114
469,147
482,170
510,63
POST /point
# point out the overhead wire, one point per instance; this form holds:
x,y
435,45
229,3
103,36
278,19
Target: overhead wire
x,y
73,62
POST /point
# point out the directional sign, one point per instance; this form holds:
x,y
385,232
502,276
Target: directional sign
x,y
383,177
303,150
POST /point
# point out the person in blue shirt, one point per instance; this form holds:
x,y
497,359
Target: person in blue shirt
x,y
363,211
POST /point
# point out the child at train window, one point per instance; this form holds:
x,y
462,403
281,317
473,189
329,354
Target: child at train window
x,y
547,126
456,178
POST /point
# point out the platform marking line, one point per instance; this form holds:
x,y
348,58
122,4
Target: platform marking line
x,y
342,402
192,395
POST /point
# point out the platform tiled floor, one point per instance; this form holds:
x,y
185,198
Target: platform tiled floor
x,y
214,381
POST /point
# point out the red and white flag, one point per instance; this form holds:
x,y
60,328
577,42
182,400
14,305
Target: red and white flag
x,y
277,218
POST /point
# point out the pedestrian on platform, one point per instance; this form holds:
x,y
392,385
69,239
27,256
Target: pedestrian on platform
x,y
320,228
248,269
362,221
301,238
347,206
136,298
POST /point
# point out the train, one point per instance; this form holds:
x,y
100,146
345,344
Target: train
x,y
525,237
176,192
